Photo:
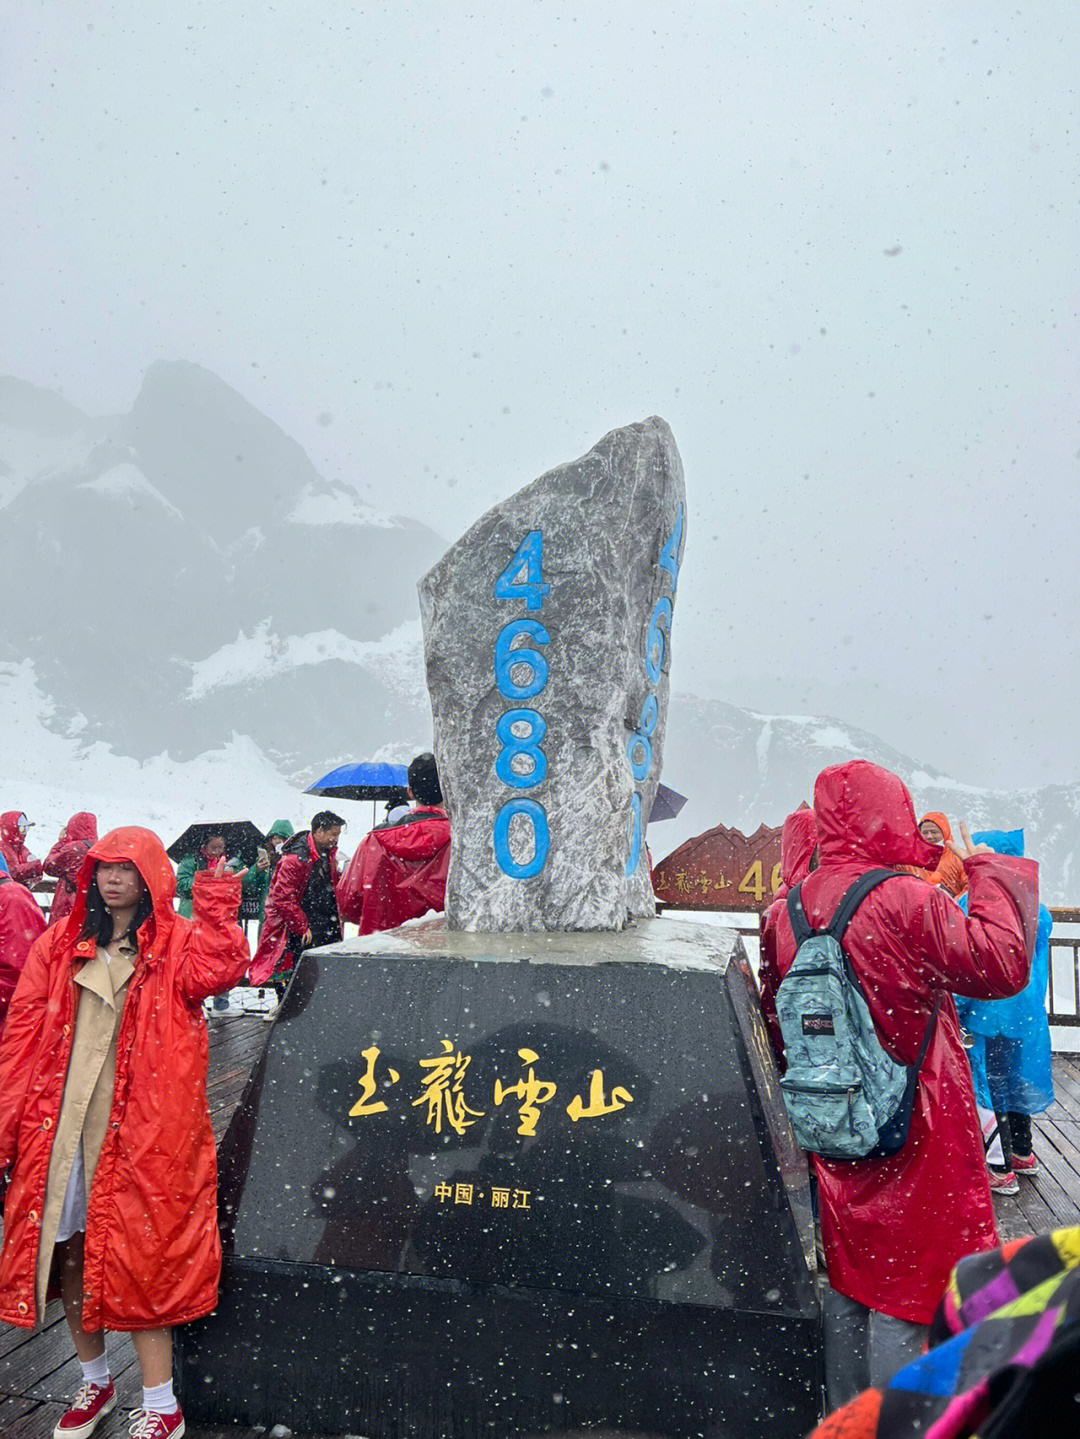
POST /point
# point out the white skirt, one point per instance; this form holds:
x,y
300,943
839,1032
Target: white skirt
x,y
73,1209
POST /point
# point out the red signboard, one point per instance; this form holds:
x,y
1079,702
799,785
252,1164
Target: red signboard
x,y
721,869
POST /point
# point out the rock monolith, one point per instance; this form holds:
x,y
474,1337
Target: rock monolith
x,y
547,632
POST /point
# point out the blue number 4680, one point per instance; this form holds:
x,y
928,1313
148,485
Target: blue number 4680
x,y
523,578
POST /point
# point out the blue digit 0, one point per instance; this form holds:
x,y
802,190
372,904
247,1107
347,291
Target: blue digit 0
x,y
635,835
541,838
527,745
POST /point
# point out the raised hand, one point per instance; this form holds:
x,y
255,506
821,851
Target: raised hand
x,y
965,849
219,871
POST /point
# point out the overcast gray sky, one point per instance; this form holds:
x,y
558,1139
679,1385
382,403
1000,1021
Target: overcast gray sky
x,y
834,245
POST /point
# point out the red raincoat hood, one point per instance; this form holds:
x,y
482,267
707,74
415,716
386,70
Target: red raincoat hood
x,y
865,814
81,826
419,838
798,839
143,849
9,828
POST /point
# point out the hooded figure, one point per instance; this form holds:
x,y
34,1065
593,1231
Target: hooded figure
x,y
21,921
1013,1035
798,840
22,866
399,872
893,1228
259,885
949,870
152,1250
65,859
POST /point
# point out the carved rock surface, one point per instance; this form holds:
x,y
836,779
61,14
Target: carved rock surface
x,y
547,787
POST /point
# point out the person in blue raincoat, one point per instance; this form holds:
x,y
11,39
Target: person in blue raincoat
x,y
1010,1058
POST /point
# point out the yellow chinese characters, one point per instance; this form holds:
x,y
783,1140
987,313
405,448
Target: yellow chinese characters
x,y
597,1104
443,1091
368,1085
531,1091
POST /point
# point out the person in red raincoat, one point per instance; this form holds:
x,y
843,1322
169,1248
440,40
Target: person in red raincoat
x,y
21,921
22,866
399,872
798,841
301,907
893,1228
65,859
104,1123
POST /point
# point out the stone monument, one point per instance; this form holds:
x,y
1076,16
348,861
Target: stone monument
x,y
547,632
526,1168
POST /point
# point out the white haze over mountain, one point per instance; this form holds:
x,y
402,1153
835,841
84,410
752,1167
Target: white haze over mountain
x,y
237,625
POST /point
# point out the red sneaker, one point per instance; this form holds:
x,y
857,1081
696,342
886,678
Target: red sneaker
x,y
149,1424
1025,1163
1006,1183
89,1407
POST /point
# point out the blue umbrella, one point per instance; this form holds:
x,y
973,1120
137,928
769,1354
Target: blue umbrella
x,y
369,779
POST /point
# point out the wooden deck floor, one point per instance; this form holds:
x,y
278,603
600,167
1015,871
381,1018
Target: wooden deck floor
x,y
39,1373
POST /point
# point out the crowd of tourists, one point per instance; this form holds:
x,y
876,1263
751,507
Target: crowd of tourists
x,y
902,976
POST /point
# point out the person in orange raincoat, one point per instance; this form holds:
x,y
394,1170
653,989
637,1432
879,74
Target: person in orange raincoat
x,y
948,872
104,1123
65,859
399,872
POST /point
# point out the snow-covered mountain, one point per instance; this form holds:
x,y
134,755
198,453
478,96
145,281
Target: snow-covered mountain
x,y
195,623
183,572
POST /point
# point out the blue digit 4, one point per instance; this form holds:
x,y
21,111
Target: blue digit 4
x,y
527,745
669,556
541,838
528,561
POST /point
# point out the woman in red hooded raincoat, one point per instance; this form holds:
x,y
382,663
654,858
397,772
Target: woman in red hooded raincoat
x,y
104,1123
893,1228
65,859
22,866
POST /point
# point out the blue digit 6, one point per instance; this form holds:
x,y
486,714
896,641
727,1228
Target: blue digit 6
x,y
506,659
656,639
513,745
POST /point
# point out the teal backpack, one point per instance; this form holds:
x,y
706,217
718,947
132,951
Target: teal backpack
x,y
846,1098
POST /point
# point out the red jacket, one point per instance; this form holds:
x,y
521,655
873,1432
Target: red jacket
x,y
65,859
153,1254
893,1228
21,921
399,872
284,922
24,868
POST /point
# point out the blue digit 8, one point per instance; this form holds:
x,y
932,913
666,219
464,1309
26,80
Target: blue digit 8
x,y
529,745
650,713
656,639
541,838
506,659
635,835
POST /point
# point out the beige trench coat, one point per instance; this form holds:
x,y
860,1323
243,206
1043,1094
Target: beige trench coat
x,y
88,1094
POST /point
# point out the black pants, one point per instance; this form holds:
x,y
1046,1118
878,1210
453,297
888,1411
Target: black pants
x,y
1015,1131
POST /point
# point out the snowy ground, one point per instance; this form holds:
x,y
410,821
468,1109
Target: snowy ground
x,y
50,775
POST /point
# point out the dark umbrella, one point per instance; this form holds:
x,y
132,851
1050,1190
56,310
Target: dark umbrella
x,y
242,840
666,805
367,779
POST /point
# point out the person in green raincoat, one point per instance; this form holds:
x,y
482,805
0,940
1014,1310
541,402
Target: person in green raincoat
x,y
254,884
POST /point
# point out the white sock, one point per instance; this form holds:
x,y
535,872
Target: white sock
x,y
160,1399
96,1371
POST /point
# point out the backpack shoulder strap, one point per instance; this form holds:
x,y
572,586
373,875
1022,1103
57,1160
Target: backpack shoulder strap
x,y
853,897
800,925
